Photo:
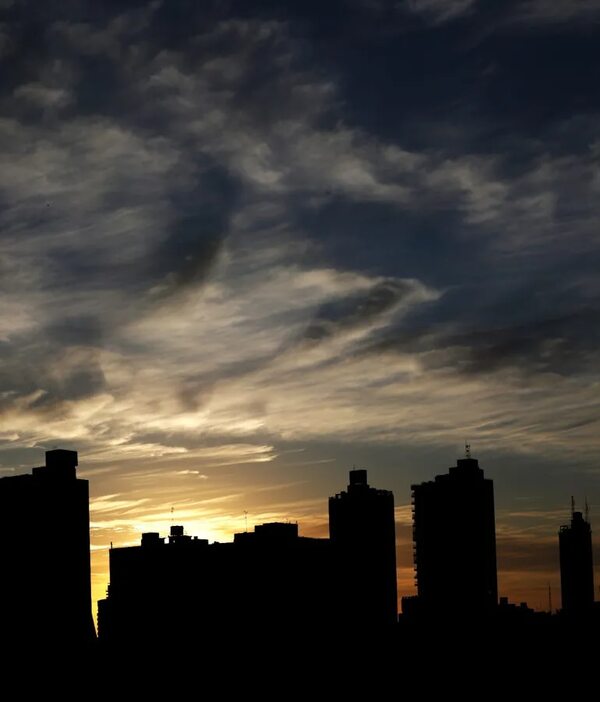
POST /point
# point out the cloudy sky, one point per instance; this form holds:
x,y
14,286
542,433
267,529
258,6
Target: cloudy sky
x,y
246,246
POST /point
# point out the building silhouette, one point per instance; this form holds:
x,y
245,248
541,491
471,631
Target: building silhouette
x,y
455,543
270,581
45,592
363,533
576,566
271,584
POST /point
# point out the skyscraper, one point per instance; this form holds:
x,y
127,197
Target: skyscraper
x,y
363,534
45,592
576,566
455,541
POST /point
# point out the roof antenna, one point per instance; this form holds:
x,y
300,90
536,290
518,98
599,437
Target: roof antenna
x,y
550,598
587,511
467,449
572,506
172,514
246,519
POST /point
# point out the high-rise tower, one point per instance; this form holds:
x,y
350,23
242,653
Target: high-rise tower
x,y
362,532
45,592
455,541
576,566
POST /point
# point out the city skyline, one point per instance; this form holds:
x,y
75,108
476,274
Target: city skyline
x,y
243,249
311,515
471,502
343,580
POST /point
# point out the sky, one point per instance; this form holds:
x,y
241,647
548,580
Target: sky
x,y
245,247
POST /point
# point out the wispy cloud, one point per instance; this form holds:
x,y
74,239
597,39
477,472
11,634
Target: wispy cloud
x,y
440,11
200,475
559,11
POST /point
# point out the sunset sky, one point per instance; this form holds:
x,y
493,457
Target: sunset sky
x,y
245,246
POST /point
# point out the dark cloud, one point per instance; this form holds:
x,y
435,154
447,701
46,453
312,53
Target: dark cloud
x,y
565,345
439,11
85,330
562,12
187,259
77,383
496,158
358,310
196,389
144,73
45,376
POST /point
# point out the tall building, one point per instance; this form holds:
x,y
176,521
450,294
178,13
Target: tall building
x,y
455,542
363,533
45,592
576,566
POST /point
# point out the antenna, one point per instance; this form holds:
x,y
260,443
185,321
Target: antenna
x,y
172,514
587,511
467,449
246,519
572,506
550,597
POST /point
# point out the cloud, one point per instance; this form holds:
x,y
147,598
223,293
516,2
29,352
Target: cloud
x,y
363,310
187,255
440,11
109,503
181,223
483,19
536,13
548,12
39,95
50,380
272,141
563,345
